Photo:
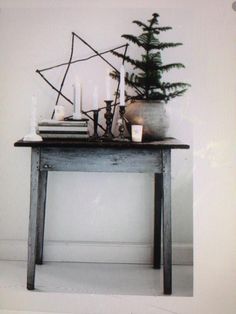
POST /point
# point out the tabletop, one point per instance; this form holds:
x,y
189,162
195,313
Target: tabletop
x,y
167,143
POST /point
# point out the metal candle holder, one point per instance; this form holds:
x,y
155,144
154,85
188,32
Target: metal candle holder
x,y
108,116
95,124
121,128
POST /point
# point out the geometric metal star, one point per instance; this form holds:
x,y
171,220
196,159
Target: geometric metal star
x,y
71,61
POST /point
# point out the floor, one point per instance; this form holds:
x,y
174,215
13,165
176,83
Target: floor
x,y
95,278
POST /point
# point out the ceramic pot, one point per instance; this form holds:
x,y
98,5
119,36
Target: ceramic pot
x,y
152,115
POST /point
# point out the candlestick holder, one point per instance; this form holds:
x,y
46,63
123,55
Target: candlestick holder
x,y
33,136
121,128
108,116
95,124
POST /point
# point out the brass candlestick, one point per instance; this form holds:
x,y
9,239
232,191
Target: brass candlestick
x,y
108,116
95,124
121,128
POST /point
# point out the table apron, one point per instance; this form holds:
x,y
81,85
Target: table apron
x,y
100,160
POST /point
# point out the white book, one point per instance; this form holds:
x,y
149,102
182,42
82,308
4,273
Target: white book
x,y
65,136
44,128
50,122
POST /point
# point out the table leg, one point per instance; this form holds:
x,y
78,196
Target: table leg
x,y
35,155
42,194
167,245
158,184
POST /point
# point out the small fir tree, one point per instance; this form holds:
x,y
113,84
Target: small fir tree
x,y
149,69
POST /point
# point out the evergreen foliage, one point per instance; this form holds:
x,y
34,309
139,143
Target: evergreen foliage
x,y
146,78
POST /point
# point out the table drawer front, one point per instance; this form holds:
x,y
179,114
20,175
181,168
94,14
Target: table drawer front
x,y
100,160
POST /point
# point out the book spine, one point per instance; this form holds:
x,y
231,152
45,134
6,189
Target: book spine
x,y
61,132
64,135
50,121
62,128
66,124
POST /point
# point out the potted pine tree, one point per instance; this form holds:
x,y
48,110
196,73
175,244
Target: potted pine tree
x,y
152,92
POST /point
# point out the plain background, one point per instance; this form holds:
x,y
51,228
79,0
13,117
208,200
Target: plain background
x,y
212,34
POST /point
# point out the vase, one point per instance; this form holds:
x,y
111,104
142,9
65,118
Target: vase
x,y
152,115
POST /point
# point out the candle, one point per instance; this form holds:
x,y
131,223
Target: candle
x,y
32,136
108,85
136,133
74,96
77,99
33,117
95,98
78,95
59,113
122,86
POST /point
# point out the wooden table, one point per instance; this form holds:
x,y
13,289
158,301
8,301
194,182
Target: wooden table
x,y
97,156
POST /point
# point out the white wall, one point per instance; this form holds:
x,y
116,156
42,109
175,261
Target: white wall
x,y
211,27
83,221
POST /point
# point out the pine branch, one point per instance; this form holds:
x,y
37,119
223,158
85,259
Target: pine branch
x,y
175,86
171,66
175,94
164,28
141,24
126,58
162,46
133,39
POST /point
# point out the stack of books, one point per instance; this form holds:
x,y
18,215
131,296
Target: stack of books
x,y
76,129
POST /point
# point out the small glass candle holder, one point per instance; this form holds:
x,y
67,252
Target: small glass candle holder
x,y
137,133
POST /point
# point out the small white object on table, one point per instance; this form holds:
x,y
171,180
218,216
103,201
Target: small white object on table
x,y
33,136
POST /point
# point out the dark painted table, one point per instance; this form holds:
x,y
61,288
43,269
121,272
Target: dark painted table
x,y
91,156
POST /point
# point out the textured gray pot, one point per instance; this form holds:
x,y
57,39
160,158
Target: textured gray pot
x,y
152,115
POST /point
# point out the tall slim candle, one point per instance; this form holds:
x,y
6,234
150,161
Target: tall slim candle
x,y
33,136
95,98
77,99
122,86
33,117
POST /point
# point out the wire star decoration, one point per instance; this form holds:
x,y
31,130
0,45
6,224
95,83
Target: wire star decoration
x,y
71,61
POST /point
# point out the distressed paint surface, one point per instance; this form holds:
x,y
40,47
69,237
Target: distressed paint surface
x,y
41,207
153,157
35,160
158,203
167,242
100,160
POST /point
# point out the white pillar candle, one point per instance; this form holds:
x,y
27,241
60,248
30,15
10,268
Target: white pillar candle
x,y
77,99
32,136
95,98
108,85
78,95
122,86
33,116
